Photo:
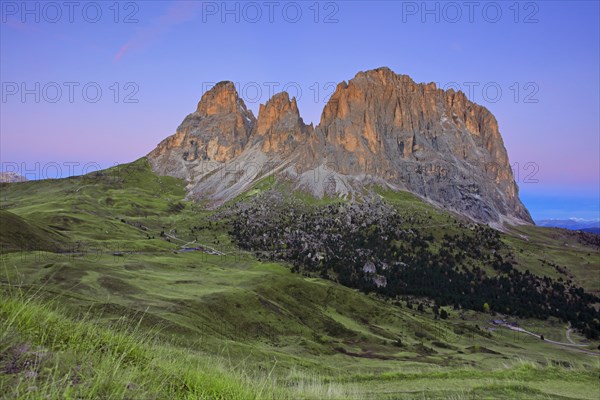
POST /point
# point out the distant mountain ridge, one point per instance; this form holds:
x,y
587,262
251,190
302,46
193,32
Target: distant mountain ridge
x,y
576,224
11,177
379,128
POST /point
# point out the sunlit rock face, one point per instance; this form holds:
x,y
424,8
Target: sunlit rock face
x,y
378,128
280,128
217,131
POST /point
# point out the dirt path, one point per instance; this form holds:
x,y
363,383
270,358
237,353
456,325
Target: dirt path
x,y
216,252
572,346
568,334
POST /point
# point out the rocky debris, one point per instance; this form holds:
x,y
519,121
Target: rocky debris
x,y
289,230
378,128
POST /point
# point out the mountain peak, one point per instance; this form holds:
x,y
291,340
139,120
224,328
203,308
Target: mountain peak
x,y
278,104
217,131
381,72
279,124
220,99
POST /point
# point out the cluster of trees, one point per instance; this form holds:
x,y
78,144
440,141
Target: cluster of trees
x,y
370,246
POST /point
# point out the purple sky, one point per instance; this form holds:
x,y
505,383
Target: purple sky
x,y
544,57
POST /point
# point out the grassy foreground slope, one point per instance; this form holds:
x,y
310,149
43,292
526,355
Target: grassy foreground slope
x,y
119,311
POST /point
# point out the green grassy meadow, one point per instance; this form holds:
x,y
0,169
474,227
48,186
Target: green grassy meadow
x,y
99,301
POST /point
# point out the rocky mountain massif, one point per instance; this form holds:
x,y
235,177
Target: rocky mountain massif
x,y
379,128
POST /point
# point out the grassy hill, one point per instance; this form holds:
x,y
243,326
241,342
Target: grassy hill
x,y
16,234
121,310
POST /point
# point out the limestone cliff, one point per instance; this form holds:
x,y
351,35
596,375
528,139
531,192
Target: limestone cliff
x,y
280,128
216,132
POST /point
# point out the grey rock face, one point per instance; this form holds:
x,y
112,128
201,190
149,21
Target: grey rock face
x,y
379,128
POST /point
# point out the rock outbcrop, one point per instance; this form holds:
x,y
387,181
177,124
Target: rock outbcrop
x,y
11,177
378,128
